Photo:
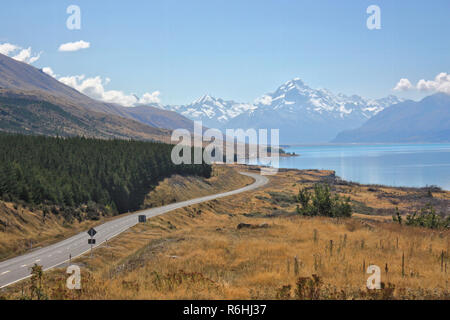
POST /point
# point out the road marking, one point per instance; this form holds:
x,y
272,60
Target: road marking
x,y
5,272
38,260
23,266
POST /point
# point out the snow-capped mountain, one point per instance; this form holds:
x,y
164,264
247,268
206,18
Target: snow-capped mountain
x,y
302,114
307,115
295,95
214,113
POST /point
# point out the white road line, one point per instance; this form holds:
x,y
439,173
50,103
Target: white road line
x,y
23,266
37,260
5,272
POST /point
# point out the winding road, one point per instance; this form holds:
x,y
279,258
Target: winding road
x,y
18,268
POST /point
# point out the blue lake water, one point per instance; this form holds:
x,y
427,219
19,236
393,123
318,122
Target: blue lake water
x,y
412,165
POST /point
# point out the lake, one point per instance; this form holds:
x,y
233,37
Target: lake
x,y
411,165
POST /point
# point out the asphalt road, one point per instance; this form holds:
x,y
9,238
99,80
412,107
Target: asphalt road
x,y
18,268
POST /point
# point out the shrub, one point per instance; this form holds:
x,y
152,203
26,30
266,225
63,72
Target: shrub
x,y
36,286
397,217
308,288
284,293
427,218
322,203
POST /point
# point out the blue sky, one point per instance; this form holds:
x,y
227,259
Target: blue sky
x,y
237,49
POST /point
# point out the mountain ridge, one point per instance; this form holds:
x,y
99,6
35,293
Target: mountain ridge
x,y
427,120
24,82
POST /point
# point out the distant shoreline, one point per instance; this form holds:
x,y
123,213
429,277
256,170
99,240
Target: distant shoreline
x,y
350,182
330,144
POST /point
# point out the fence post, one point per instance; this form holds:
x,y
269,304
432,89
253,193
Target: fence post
x,y
403,264
296,265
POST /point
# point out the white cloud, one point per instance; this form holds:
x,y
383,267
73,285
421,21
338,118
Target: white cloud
x,y
25,56
7,48
18,53
95,88
148,98
265,100
441,83
74,46
49,71
403,85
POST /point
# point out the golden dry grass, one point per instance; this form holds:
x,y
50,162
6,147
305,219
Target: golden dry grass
x,y
23,229
179,188
198,252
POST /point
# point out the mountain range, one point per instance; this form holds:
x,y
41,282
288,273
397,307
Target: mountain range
x,y
32,101
301,113
427,120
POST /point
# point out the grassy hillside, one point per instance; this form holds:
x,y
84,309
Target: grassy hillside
x,y
24,79
27,114
179,188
